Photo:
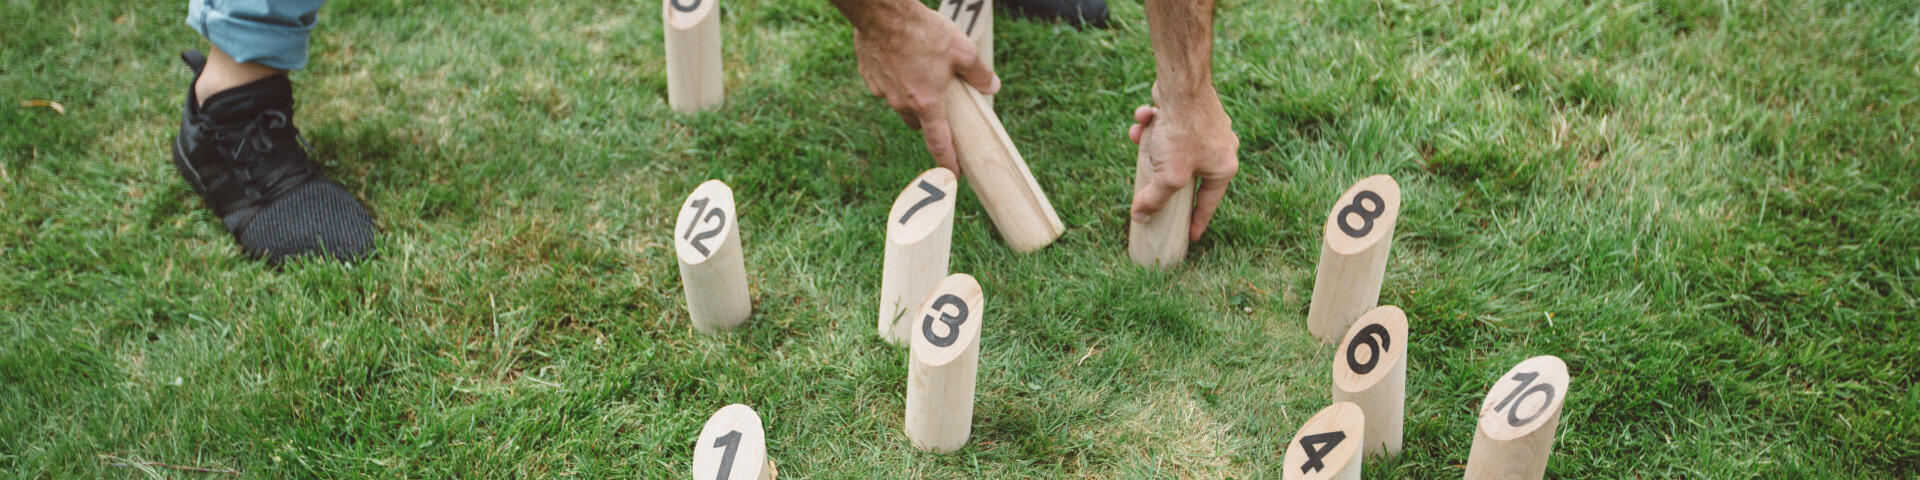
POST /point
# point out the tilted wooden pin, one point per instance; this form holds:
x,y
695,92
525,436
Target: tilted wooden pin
x,y
1353,256
1162,241
712,269
975,18
1328,446
732,447
1370,370
919,240
998,175
694,79
1514,436
941,369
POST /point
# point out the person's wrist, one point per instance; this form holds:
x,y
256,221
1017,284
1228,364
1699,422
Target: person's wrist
x,y
869,15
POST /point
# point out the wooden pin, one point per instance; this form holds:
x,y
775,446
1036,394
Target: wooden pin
x,y
998,174
945,356
712,269
732,447
1162,241
1353,258
1327,446
975,18
1370,370
694,80
919,239
1517,421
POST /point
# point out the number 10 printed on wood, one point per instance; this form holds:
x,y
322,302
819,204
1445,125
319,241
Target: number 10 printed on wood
x,y
1517,421
732,447
712,269
919,241
694,78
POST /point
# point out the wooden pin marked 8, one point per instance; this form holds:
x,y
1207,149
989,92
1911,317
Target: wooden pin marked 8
x,y
1353,256
732,447
1328,445
1162,241
1370,370
941,369
1514,436
694,80
712,269
919,240
975,18
998,174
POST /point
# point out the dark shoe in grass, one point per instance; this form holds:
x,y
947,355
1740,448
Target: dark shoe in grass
x,y
1078,13
241,152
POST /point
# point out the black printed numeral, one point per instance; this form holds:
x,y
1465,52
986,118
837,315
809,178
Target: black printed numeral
x,y
933,195
975,7
730,442
953,320
1520,394
1377,340
689,8
1366,215
1317,447
719,218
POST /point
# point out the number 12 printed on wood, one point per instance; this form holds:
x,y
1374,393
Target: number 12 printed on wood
x,y
732,446
713,271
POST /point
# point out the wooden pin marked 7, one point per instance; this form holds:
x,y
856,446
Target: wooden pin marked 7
x,y
694,80
1370,370
712,269
919,240
975,18
998,174
1353,256
941,369
1328,446
732,447
1514,436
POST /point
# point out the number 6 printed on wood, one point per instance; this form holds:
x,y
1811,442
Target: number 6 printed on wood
x,y
1514,436
1370,370
712,269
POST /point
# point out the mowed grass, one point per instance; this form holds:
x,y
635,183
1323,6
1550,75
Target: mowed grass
x,y
1710,210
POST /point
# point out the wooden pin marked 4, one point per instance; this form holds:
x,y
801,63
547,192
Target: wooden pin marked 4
x,y
712,269
975,18
1370,370
1353,256
732,447
694,80
1514,436
941,369
1162,241
998,174
1328,446
919,240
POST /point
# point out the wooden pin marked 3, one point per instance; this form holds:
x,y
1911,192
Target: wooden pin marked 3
x,y
712,269
1353,256
1328,445
998,174
1514,436
1370,370
694,79
732,447
1162,241
975,18
941,369
919,240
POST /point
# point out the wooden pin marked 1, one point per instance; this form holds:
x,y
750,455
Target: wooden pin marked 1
x,y
1162,241
1517,421
1353,258
694,80
732,447
945,356
919,240
1328,446
975,18
998,174
712,269
1370,370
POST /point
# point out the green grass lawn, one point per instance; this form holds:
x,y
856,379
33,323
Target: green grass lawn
x,y
1709,209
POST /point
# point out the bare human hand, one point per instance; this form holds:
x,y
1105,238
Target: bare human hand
x,y
908,54
1185,140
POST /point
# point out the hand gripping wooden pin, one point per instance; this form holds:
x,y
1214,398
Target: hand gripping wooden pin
x,y
1353,256
1370,370
941,369
694,80
919,240
712,269
1517,421
997,173
1162,240
1327,447
975,18
732,447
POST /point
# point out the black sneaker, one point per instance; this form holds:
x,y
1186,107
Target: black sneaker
x,y
1078,13
243,155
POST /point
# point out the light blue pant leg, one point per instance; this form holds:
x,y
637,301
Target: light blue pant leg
x,y
267,32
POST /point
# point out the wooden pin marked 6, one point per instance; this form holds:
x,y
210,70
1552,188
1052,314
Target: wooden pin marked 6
x,y
998,174
712,269
940,371
919,240
1328,446
1353,258
975,18
1162,241
1370,370
732,447
694,80
1517,421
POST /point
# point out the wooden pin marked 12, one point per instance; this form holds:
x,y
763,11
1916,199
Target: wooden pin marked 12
x,y
1370,370
919,240
1328,446
712,269
1514,436
732,447
945,357
1162,241
998,174
1353,257
694,80
975,18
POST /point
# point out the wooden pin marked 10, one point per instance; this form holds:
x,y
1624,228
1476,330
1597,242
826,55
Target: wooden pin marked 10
x,y
975,18
945,357
919,240
1370,370
1328,446
998,174
1353,257
694,80
1514,436
1162,241
732,447
712,269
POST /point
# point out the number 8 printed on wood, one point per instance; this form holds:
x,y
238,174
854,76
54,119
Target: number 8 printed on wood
x,y
1353,256
713,270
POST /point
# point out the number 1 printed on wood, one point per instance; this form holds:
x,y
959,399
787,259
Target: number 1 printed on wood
x,y
1353,256
1515,433
919,241
713,270
1328,445
732,446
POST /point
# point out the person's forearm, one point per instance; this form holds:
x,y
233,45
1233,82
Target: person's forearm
x,y
1182,32
868,13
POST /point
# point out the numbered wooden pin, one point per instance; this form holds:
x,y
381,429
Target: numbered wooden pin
x,y
1370,370
712,269
998,174
1162,241
1328,446
1517,421
919,239
694,80
975,18
1353,258
945,356
732,447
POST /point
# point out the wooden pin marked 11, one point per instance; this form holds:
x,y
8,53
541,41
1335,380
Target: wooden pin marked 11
x,y
694,80
998,174
975,18
1370,370
919,240
732,447
1353,257
1517,421
712,269
1328,446
1162,241
945,357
